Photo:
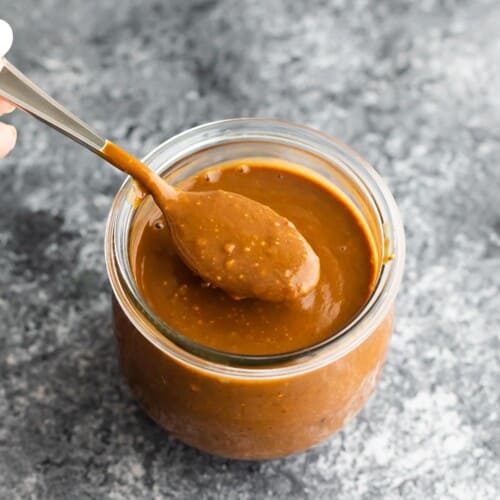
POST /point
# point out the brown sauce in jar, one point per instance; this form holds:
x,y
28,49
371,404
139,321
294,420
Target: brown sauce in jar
x,y
323,215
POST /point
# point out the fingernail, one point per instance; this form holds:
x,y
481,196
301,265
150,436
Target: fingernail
x,y
13,132
8,136
6,107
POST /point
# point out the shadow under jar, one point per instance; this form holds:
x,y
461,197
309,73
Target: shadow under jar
x,y
256,406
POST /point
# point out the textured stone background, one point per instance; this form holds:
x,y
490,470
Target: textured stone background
x,y
414,86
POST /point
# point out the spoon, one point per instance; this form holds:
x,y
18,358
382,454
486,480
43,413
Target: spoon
x,y
232,242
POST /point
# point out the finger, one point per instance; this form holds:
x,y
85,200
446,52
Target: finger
x,y
6,107
8,136
6,37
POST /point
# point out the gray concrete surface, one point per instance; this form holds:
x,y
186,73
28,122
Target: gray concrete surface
x,y
413,86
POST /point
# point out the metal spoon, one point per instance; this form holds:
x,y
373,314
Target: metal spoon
x,y
203,225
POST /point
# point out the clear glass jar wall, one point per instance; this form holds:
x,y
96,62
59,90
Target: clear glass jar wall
x,y
256,407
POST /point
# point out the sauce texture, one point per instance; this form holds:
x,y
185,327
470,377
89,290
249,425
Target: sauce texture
x,y
242,247
326,219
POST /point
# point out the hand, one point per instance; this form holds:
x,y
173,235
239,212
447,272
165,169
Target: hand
x,y
8,133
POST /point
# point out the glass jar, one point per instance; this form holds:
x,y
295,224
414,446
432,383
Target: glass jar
x,y
256,407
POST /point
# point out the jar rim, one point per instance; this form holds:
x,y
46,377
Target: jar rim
x,y
203,357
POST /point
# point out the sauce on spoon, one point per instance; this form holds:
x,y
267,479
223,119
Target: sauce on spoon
x,y
232,242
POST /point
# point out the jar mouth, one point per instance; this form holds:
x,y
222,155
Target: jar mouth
x,y
330,150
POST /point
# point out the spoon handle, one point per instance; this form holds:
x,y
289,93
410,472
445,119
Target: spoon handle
x,y
21,91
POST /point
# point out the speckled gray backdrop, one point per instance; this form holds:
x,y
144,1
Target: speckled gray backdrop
x,y
414,86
